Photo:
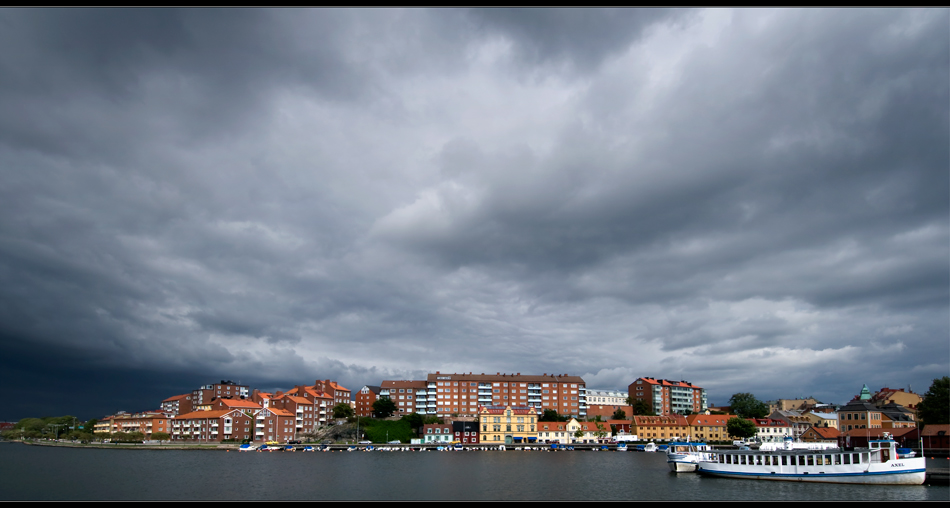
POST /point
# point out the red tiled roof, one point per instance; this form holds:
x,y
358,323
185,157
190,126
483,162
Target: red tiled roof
x,y
877,433
826,432
203,414
709,420
240,403
667,382
670,421
338,387
278,412
934,429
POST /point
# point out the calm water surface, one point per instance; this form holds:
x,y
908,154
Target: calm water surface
x,y
45,473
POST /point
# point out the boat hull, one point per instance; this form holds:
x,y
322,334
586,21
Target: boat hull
x,y
914,477
682,466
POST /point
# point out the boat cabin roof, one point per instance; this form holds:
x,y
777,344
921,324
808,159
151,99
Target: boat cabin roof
x,y
827,451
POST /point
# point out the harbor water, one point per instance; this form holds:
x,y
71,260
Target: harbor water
x,y
53,473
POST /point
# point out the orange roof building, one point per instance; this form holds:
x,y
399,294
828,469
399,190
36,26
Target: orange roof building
x,y
666,397
703,427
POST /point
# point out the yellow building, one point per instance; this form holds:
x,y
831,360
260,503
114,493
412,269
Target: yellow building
x,y
663,428
507,424
709,427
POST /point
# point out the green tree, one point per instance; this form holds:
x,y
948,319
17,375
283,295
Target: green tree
x,y
935,408
740,427
642,408
550,415
383,407
601,431
343,410
745,405
160,436
415,420
619,414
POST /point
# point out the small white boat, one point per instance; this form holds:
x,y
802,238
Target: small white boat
x,y
683,457
621,447
247,448
649,447
879,464
906,453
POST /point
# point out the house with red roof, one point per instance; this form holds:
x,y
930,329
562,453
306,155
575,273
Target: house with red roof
x,y
703,427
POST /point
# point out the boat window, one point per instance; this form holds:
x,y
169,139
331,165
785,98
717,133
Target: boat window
x,y
784,460
847,459
801,460
811,460
838,459
827,460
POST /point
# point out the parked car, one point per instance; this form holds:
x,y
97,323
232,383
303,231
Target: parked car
x,y
365,442
395,441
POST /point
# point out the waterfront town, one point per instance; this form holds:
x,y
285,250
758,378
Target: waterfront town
x,y
512,408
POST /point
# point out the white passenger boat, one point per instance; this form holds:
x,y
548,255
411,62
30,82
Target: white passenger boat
x,y
789,444
649,447
879,464
683,457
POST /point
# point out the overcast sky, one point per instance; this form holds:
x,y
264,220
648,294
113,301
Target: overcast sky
x,y
749,200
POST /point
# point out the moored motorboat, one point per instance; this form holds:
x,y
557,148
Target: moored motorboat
x,y
879,464
682,457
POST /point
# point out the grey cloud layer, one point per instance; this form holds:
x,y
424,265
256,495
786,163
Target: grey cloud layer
x,y
302,194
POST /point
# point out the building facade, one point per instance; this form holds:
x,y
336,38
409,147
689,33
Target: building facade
x,y
408,396
507,424
703,427
364,399
463,394
664,428
668,397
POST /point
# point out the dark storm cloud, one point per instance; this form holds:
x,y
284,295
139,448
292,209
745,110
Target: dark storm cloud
x,y
279,196
582,38
736,162
76,81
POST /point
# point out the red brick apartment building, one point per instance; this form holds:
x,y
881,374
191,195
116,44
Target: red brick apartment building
x,y
364,399
462,394
668,397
